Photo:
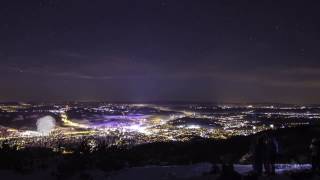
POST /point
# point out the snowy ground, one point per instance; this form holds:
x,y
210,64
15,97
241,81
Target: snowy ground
x,y
196,170
153,172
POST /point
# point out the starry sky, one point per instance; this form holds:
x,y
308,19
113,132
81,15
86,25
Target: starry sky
x,y
160,50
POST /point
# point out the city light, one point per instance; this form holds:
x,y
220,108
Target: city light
x,y
121,124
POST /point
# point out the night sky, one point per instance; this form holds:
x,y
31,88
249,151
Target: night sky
x,y
160,50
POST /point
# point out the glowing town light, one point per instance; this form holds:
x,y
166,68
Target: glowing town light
x,y
254,127
139,128
135,128
92,145
67,122
271,126
30,134
45,125
193,127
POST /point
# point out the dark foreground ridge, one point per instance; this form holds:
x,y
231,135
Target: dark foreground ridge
x,y
294,148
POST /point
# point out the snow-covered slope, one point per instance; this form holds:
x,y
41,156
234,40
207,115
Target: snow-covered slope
x,y
195,171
